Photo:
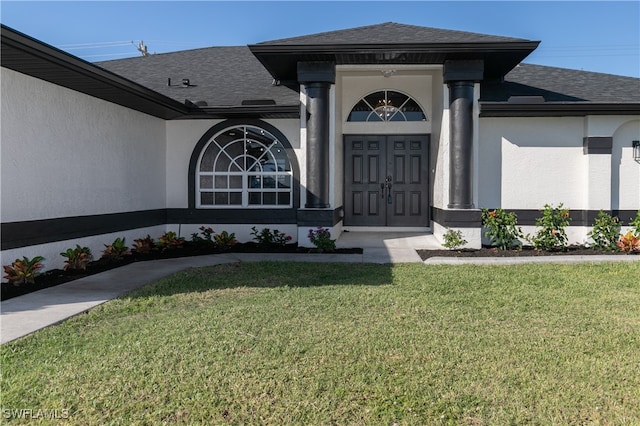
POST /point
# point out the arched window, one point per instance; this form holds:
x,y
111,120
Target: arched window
x,y
386,105
243,166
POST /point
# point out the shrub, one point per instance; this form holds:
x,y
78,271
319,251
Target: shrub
x,y
552,235
605,232
635,224
170,241
321,238
23,270
224,240
629,242
144,245
266,237
501,228
77,258
115,250
207,236
453,240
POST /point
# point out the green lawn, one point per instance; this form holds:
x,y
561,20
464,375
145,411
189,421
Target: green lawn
x,y
320,344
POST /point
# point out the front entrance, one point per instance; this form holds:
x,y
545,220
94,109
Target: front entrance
x,y
386,180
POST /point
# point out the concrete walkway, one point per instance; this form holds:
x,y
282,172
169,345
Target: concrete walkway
x,y
25,314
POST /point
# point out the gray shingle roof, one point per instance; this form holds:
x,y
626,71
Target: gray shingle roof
x,y
227,76
391,32
563,85
220,76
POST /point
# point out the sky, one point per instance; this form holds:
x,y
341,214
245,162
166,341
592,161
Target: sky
x,y
599,36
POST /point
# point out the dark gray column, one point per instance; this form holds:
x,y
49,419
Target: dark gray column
x,y
317,78
317,145
460,76
461,144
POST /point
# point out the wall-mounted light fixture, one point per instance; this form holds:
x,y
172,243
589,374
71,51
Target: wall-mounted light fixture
x,y
636,150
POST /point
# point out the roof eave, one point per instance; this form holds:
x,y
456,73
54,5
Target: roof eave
x,y
410,47
557,109
29,56
260,111
280,60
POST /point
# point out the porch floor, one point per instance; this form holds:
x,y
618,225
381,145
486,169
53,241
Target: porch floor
x,y
419,240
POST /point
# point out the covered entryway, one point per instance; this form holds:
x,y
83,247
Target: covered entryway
x,y
386,180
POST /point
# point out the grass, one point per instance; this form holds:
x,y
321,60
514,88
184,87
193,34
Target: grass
x,y
289,343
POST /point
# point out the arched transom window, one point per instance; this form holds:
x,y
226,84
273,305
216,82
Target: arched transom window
x,y
244,166
386,105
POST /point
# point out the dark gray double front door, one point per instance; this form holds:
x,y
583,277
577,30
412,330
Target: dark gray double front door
x,y
386,180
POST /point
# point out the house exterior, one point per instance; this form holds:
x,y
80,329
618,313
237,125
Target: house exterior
x,y
387,126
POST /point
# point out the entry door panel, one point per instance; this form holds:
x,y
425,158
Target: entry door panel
x,y
386,180
364,174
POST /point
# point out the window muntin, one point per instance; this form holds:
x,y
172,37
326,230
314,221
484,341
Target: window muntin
x,y
244,166
386,105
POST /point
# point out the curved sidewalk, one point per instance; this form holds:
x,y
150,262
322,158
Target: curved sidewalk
x,y
25,314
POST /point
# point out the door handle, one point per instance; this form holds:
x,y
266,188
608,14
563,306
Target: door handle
x,y
382,190
388,184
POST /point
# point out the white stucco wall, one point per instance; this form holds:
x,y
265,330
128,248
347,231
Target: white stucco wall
x,y
525,163
625,172
440,152
68,154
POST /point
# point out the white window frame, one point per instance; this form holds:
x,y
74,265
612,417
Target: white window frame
x,y
245,172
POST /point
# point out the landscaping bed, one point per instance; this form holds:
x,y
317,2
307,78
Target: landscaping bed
x,y
487,251
55,277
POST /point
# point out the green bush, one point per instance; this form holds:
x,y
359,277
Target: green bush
x,y
605,232
207,236
552,235
170,241
77,258
115,250
224,240
266,237
144,245
454,240
321,238
635,224
501,228
23,270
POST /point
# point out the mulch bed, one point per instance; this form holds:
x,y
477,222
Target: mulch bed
x,y
55,277
523,252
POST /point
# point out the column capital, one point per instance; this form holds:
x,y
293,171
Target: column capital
x,y
463,70
317,72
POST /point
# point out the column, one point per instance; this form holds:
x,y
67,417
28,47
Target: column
x,y
317,78
461,144
460,76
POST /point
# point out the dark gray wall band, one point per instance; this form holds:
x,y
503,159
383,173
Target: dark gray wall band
x,y
597,145
32,232
21,234
319,217
456,218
